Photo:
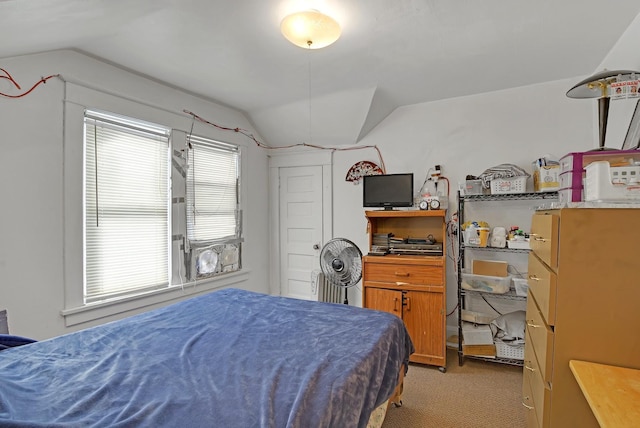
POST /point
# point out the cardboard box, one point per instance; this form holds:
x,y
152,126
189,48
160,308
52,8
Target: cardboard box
x,y
480,350
546,178
489,268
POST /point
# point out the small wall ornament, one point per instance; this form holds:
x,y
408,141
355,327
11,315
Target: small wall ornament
x,y
360,169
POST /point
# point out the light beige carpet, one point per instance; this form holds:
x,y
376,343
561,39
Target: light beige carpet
x,y
476,395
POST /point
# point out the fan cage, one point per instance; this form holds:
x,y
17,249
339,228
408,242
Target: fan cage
x,y
341,262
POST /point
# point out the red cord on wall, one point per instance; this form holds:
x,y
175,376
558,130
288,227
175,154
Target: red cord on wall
x,y
12,80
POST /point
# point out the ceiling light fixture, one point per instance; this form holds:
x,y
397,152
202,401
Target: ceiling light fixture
x,y
310,29
598,86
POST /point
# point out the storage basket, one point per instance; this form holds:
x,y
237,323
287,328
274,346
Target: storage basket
x,y
515,352
509,185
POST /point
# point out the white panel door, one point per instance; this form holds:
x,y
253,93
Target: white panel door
x,y
300,210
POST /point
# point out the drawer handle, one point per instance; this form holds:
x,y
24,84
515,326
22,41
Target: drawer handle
x,y
540,239
534,278
528,407
532,325
529,368
402,273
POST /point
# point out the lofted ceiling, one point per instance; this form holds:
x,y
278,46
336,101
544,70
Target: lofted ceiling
x,y
391,52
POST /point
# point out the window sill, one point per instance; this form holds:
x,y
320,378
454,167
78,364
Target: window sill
x,y
92,312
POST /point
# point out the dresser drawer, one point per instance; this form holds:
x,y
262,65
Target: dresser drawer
x,y
541,340
542,284
404,274
529,405
540,392
544,238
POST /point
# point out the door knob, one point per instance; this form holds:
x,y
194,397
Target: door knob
x,y
316,246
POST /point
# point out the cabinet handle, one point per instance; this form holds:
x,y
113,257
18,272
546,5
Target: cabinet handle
x,y
528,407
395,304
402,273
532,325
408,304
534,278
529,368
540,239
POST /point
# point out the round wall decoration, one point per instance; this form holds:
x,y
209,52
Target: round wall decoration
x,y
362,168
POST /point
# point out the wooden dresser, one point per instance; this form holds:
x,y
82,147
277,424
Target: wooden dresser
x,y
410,286
583,300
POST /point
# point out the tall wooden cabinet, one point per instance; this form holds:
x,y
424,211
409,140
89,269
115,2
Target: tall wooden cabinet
x,y
582,304
411,286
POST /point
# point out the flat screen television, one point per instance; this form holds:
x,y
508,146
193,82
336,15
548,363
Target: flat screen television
x,y
387,191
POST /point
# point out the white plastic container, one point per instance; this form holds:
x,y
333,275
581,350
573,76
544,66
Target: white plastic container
x,y
612,184
505,350
518,245
509,185
485,283
476,334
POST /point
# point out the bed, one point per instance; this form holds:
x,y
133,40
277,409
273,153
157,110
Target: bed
x,y
230,358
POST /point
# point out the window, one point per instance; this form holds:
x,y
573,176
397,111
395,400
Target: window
x,y
126,207
212,203
212,191
132,245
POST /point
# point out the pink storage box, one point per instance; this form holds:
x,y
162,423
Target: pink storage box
x,y
571,194
576,161
573,178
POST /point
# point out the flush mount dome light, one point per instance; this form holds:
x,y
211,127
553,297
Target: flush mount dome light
x,y
310,29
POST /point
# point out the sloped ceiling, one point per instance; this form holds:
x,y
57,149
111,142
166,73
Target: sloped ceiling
x,y
391,52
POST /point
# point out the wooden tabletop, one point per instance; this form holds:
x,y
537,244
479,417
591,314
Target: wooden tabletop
x,y
613,393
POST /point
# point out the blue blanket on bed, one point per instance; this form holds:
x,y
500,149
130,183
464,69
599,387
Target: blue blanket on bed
x,y
230,358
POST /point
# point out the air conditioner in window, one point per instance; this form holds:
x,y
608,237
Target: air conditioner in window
x,y
211,260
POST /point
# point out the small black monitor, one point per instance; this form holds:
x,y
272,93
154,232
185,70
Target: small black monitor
x,y
387,191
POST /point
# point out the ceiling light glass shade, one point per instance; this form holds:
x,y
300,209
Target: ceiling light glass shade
x,y
310,29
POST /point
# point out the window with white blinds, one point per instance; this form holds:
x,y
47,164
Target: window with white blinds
x,y
126,206
212,191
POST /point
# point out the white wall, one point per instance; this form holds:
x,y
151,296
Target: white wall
x,y
465,136
32,218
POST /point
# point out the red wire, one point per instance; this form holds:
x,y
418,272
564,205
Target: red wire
x,y
8,76
259,144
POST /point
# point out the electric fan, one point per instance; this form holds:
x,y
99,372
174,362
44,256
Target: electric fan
x,y
207,262
341,263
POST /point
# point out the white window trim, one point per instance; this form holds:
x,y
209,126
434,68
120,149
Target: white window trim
x,y
75,311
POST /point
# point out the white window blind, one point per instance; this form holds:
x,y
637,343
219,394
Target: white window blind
x,y
127,194
212,191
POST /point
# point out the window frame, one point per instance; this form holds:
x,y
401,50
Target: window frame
x,y
76,312
111,130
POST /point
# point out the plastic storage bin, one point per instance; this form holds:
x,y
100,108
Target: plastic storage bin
x,y
573,194
476,334
504,350
612,184
473,187
485,283
509,185
573,178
